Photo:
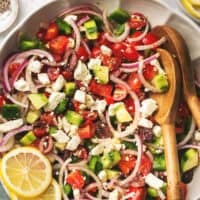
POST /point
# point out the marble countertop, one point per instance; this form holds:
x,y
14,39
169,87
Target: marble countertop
x,y
27,7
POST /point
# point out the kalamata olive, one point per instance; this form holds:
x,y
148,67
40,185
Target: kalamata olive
x,y
46,144
187,176
145,133
102,130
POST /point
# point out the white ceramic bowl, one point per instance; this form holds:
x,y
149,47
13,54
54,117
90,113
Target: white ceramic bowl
x,y
157,12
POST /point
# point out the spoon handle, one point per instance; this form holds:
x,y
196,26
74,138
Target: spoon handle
x,y
172,163
194,105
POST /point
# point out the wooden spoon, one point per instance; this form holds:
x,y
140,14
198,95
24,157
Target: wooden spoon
x,y
168,104
176,45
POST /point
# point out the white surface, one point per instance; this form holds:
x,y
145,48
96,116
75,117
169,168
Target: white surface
x,y
27,7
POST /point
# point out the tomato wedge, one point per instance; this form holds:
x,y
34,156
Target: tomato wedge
x,y
139,193
51,32
86,131
76,179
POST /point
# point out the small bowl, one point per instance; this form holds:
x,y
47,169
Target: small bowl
x,y
181,6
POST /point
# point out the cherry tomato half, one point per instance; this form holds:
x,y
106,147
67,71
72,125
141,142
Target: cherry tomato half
x,y
120,92
52,32
131,53
137,21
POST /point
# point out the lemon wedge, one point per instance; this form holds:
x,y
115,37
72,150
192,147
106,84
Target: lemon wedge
x,y
26,172
195,2
194,11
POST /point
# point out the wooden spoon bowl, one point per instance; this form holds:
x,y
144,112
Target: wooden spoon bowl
x,y
168,105
177,47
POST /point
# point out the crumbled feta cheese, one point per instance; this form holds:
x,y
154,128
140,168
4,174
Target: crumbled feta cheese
x,y
73,130
73,143
149,106
153,181
82,73
94,61
106,50
10,125
89,101
71,43
99,105
197,135
21,85
80,96
43,78
102,176
114,195
156,63
66,125
70,17
54,99
97,150
145,123
157,131
76,194
58,84
60,136
35,66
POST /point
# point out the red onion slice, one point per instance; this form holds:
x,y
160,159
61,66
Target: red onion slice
x,y
187,146
135,65
83,20
138,162
15,101
86,47
13,133
151,46
143,81
140,37
77,33
122,37
189,134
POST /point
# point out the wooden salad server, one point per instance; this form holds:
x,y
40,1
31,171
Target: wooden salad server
x,y
168,105
177,46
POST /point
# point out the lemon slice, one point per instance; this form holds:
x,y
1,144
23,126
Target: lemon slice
x,y
195,2
26,172
53,192
195,12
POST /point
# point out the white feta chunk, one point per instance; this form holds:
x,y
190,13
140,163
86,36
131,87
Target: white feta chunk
x,y
156,63
106,50
197,135
102,176
145,123
21,85
10,125
94,61
153,181
80,96
149,106
114,195
35,66
82,73
66,125
157,131
71,43
73,130
54,99
99,105
60,136
58,84
70,17
43,78
97,150
73,144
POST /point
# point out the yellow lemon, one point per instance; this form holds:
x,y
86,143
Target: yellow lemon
x,y
26,172
195,12
195,2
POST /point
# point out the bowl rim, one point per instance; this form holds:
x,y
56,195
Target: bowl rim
x,y
21,24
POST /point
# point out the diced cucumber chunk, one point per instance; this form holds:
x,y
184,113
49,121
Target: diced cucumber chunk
x,y
119,16
160,82
159,162
67,189
38,100
119,29
122,115
52,130
28,139
152,192
70,88
63,26
95,164
111,173
74,118
10,111
101,73
110,159
189,160
62,106
91,29
32,116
